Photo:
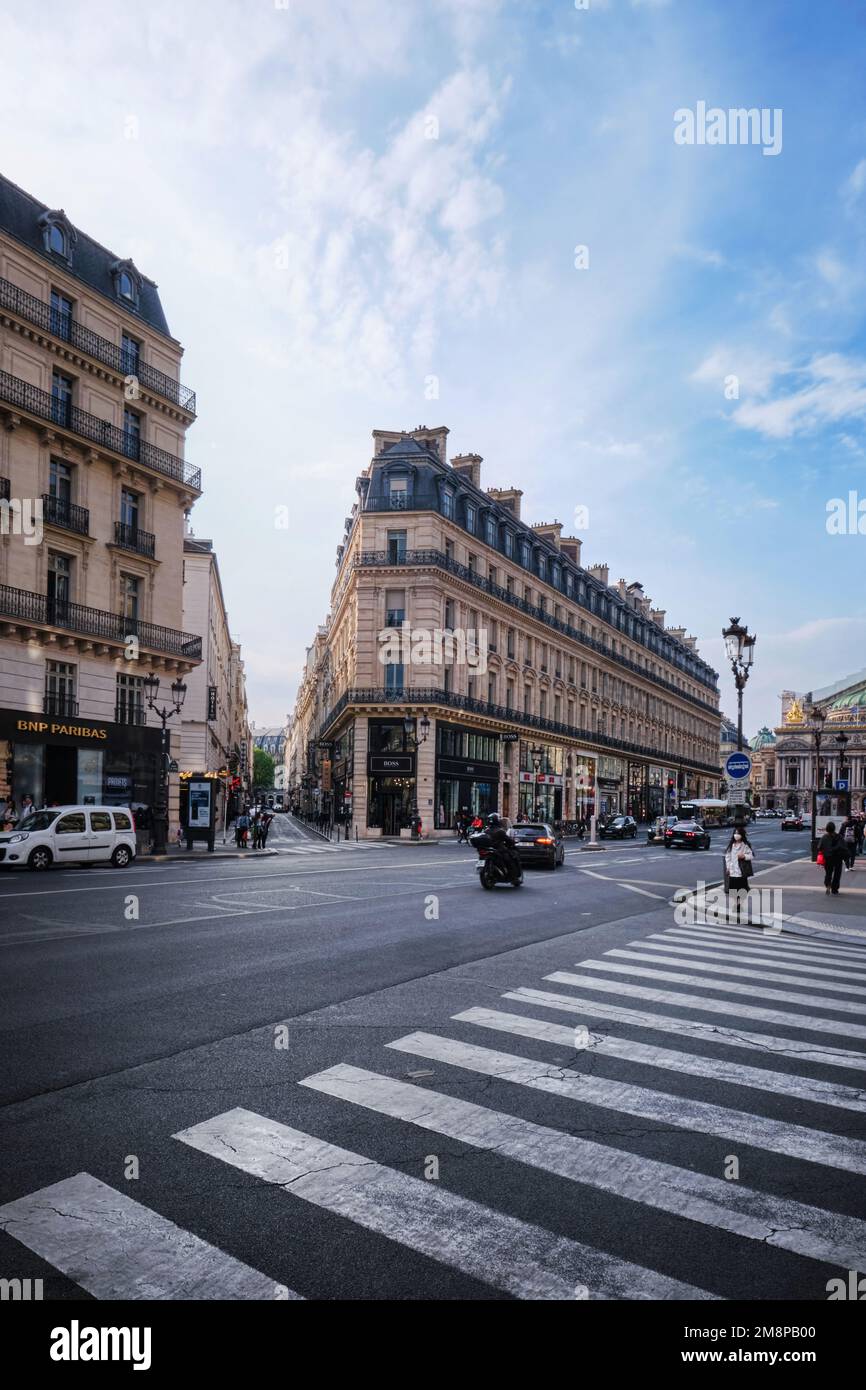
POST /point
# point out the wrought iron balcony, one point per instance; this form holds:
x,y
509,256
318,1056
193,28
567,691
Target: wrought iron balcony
x,y
42,610
129,713
433,695
62,706
393,502
62,413
438,559
133,538
62,325
56,511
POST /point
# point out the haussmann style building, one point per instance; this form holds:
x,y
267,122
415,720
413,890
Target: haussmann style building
x,y
556,695
94,488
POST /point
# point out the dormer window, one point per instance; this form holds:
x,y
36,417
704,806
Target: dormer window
x,y
58,234
127,282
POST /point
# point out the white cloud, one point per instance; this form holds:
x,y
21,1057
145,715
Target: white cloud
x,y
833,389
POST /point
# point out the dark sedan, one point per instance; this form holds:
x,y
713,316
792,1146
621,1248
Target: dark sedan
x,y
687,834
792,822
620,828
537,843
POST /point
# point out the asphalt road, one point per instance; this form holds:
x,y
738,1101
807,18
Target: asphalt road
x,y
346,1072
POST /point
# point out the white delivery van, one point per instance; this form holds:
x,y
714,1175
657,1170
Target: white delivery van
x,y
71,835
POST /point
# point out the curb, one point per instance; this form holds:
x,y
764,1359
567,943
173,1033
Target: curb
x,y
206,858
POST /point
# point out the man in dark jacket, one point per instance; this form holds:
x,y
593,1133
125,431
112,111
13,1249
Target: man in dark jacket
x,y
830,846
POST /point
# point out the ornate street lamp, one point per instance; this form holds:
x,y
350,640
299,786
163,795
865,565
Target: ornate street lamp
x,y
413,742
815,717
178,695
740,648
842,744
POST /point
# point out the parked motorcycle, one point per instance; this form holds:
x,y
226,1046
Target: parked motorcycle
x,y
489,866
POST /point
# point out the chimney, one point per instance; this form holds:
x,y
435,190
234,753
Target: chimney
x,y
508,496
691,643
570,546
622,588
435,439
679,632
599,572
658,615
548,531
469,465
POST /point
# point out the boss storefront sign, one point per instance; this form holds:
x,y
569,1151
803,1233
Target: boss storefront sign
x,y
396,764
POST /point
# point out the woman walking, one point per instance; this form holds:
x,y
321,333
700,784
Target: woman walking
x,y
738,866
832,851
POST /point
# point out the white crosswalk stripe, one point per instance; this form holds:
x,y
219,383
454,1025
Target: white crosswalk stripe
x,y
771,940
778,1221
509,1254
810,1023
812,1145
116,1248
715,967
736,954
730,1035
725,987
780,1083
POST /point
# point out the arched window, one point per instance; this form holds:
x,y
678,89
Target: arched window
x,y
57,240
125,287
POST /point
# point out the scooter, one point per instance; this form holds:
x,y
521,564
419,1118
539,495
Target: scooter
x,y
489,867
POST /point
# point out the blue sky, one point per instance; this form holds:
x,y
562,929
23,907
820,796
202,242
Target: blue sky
x,y
320,258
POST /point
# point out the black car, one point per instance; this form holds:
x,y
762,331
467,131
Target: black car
x,y
619,828
687,834
537,843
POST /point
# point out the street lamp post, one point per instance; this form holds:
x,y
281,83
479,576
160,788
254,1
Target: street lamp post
x,y
816,716
178,695
413,743
842,744
740,648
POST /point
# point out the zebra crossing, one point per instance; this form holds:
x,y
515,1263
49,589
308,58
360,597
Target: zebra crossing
x,y
788,1085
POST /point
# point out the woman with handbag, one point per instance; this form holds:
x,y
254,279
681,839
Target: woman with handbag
x,y
831,852
738,867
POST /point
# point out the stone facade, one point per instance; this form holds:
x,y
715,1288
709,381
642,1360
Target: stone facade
x,y
93,418
559,694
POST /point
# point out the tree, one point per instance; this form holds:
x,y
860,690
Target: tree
x,y
263,768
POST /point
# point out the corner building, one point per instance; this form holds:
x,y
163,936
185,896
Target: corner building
x,y
92,424
585,703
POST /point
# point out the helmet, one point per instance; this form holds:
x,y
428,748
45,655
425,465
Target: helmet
x,y
492,821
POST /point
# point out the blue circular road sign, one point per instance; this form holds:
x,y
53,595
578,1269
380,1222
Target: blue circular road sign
x,y
738,766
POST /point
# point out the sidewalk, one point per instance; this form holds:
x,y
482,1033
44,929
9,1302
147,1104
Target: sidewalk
x,y
803,907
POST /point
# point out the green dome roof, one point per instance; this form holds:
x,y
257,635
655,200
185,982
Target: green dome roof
x,y
763,738
852,700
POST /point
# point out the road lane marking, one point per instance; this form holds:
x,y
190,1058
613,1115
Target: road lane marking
x,y
696,1064
633,889
643,1102
667,942
836,1006
765,1044
730,1008
779,1221
655,956
499,1250
116,1248
750,938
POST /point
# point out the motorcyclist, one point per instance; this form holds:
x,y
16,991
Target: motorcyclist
x,y
502,845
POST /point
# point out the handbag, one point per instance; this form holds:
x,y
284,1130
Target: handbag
x,y
820,859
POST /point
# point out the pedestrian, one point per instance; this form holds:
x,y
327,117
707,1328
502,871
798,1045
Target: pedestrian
x,y
178,839
10,815
849,844
463,827
738,867
858,835
242,829
265,827
26,807
831,854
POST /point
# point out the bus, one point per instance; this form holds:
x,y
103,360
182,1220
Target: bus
x,y
712,812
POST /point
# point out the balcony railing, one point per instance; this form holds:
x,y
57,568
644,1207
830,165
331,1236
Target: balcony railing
x,y
129,713
432,695
66,416
61,706
64,326
56,511
437,558
133,538
394,502
45,611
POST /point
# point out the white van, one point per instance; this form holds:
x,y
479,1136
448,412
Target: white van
x,y
71,835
